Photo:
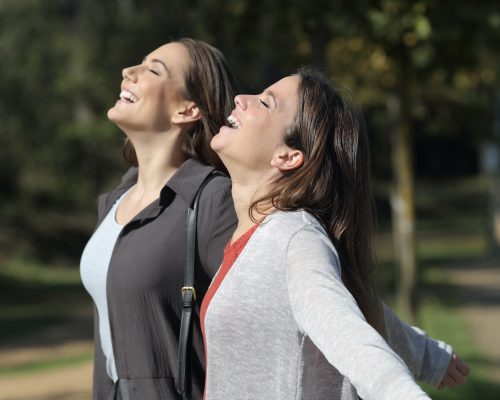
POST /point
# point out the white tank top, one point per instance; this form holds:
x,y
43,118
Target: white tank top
x,y
94,266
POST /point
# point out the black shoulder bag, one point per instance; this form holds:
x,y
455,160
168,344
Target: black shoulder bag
x,y
189,296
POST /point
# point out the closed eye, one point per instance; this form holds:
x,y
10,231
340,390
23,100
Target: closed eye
x,y
154,72
264,103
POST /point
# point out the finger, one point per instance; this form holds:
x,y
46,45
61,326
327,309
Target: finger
x,y
462,367
449,381
457,376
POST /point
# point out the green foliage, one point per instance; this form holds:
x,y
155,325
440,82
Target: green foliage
x,y
62,61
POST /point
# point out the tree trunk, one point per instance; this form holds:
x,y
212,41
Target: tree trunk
x,y
402,197
491,168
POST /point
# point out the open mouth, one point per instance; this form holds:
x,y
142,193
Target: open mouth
x,y
128,97
233,122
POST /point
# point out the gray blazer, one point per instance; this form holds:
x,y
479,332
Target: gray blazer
x,y
145,278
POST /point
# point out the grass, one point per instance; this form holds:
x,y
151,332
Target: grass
x,y
35,296
444,323
42,305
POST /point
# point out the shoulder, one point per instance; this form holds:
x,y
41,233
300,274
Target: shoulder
x,y
218,185
303,237
216,202
216,195
291,223
191,176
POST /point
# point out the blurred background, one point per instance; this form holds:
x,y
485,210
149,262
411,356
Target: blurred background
x,y
425,73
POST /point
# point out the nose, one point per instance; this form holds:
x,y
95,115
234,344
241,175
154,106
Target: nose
x,y
242,101
130,74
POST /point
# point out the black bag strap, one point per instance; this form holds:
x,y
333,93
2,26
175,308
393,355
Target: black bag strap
x,y
189,296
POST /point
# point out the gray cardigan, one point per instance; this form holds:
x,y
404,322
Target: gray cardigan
x,y
283,326
145,278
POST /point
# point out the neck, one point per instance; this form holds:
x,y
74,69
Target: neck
x,y
244,193
158,158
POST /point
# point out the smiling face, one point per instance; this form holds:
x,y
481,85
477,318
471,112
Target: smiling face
x,y
254,137
151,92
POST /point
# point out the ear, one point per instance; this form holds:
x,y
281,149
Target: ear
x,y
287,159
187,112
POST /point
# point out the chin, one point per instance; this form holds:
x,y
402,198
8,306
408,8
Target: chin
x,y
112,114
117,118
218,148
215,144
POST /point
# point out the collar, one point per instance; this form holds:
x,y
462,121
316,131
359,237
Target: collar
x,y
185,183
187,179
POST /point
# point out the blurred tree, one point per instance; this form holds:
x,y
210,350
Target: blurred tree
x,y
420,59
61,69
48,127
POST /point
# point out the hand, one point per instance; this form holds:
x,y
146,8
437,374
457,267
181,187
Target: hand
x,y
456,373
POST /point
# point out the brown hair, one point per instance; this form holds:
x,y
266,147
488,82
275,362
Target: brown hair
x,y
211,86
333,183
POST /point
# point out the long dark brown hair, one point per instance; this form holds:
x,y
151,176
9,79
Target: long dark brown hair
x,y
208,82
333,183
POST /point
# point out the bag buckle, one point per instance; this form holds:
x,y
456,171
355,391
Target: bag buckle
x,y
189,289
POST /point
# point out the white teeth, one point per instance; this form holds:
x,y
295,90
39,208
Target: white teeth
x,y
233,122
129,96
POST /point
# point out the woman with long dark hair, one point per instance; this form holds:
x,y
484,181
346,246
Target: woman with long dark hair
x,y
169,108
293,312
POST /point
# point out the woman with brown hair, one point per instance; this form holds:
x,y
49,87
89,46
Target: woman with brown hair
x,y
293,312
169,107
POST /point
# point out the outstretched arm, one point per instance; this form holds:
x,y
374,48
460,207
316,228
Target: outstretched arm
x,y
328,314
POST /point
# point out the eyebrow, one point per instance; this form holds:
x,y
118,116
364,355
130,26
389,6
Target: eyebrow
x,y
156,60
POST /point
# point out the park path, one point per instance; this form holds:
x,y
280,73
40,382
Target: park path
x,y
68,383
71,382
475,284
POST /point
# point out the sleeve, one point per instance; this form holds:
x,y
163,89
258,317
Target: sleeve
x,y
328,314
216,223
427,358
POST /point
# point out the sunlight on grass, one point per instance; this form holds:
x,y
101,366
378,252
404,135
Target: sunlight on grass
x,y
47,364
